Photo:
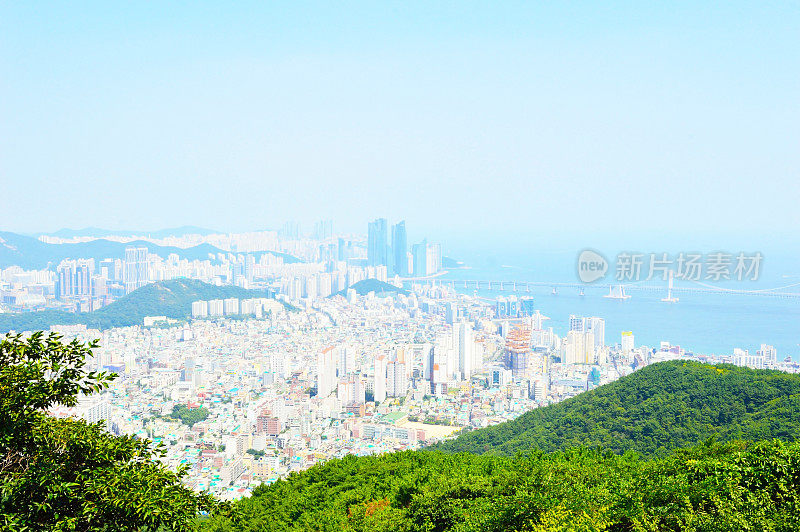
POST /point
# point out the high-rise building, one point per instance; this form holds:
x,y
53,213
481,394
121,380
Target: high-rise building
x,y
379,385
577,323
518,351
433,256
74,278
215,307
526,306
594,325
290,231
378,243
136,269
450,312
464,342
400,249
323,230
502,307
326,371
199,309
513,306
597,326
65,277
627,342
231,306
420,255
579,348
351,390
396,379
769,354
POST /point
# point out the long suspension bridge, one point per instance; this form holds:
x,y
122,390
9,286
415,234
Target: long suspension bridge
x,y
791,291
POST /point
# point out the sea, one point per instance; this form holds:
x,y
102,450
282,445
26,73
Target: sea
x,y
701,323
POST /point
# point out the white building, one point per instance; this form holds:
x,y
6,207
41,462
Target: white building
x,y
465,345
326,371
231,306
200,309
627,342
379,386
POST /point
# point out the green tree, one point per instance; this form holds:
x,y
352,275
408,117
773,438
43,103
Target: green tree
x,y
67,474
189,416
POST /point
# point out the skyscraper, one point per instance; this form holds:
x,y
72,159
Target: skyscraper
x,y
326,371
420,253
597,326
400,249
74,278
323,229
379,384
136,269
627,341
462,332
433,257
377,243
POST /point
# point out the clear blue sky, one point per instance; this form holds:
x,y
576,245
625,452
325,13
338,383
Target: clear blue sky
x,y
458,117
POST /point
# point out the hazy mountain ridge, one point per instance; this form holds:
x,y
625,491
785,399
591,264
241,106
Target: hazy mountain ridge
x,y
98,232
31,253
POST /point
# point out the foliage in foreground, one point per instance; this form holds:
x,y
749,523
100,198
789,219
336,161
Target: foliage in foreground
x,y
713,487
66,474
657,409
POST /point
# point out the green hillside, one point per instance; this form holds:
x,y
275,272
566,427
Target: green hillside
x,y
654,410
681,479
712,487
366,286
172,299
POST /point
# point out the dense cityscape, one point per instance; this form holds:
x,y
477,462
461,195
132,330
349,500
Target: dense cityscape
x,y
399,266
353,349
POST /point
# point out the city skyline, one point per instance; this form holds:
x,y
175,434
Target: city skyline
x,y
399,266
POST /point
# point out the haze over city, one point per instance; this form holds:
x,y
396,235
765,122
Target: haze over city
x,y
403,266
460,118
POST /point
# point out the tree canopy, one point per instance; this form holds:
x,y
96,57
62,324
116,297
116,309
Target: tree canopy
x,y
657,409
67,474
711,487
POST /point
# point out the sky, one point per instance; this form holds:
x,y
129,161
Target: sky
x,y
466,119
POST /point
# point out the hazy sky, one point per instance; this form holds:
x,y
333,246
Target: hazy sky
x,y
463,117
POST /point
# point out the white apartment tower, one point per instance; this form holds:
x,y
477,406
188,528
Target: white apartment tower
x,y
326,371
379,387
136,269
464,343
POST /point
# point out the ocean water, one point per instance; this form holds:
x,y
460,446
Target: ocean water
x,y
699,322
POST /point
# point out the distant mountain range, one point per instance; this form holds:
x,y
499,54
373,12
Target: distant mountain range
x,y
172,299
31,253
97,232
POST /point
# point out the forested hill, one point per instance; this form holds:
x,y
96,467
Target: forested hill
x,y
172,299
513,484
366,286
712,487
658,408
